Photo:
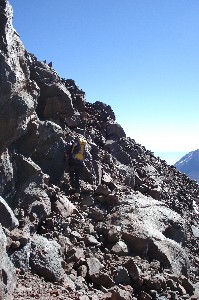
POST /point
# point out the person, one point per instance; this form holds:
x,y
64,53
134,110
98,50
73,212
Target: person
x,y
75,155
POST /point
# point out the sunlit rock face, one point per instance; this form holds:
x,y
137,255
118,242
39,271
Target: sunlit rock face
x,y
18,94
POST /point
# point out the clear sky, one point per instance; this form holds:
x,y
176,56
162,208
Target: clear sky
x,y
139,56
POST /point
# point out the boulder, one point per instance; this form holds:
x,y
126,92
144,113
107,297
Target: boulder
x,y
55,100
91,240
32,200
43,262
120,248
151,229
94,266
44,144
62,206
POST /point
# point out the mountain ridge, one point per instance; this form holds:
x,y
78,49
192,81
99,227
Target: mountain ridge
x,y
189,164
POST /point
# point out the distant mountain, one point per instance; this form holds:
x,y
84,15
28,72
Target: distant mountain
x,y
189,164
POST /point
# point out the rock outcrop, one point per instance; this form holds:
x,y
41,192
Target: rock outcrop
x,y
133,233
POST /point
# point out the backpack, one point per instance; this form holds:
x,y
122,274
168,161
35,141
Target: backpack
x,y
78,149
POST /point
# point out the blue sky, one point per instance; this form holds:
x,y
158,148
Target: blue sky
x,y
139,56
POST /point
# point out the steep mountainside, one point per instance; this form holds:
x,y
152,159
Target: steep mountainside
x,y
133,233
189,164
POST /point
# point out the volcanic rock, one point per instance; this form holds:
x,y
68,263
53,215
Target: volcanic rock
x,y
132,233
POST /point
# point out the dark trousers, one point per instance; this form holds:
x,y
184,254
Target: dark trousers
x,y
75,167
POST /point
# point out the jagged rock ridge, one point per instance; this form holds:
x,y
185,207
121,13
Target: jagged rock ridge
x,y
128,237
189,164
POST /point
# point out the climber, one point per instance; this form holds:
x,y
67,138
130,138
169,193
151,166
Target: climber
x,y
75,154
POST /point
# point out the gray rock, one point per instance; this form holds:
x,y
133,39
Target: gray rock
x,y
82,271
120,248
44,143
55,100
62,206
32,196
43,262
151,233
94,265
91,240
105,110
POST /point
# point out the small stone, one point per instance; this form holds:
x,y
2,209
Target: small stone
x,y
120,248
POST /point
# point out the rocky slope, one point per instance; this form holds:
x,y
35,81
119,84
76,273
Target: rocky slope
x,y
189,164
129,236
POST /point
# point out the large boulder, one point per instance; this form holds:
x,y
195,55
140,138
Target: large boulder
x,y
45,259
151,229
55,100
44,143
32,200
7,271
18,93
